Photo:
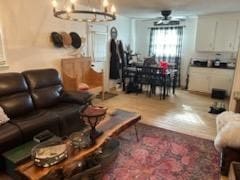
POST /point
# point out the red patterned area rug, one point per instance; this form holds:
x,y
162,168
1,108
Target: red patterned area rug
x,y
164,155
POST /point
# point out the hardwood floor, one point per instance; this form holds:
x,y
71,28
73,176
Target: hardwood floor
x,y
185,112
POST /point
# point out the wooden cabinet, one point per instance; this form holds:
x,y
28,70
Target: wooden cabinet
x,y
206,34
205,79
218,33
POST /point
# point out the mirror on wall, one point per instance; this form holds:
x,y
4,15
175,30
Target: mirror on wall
x,y
97,45
97,42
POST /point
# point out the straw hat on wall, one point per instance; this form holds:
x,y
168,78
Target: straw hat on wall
x,y
67,39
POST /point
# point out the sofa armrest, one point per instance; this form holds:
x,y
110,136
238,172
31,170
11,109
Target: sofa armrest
x,y
77,97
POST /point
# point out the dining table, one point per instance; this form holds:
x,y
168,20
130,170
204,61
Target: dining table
x,y
169,73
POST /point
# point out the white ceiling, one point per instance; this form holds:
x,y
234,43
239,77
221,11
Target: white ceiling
x,y
152,8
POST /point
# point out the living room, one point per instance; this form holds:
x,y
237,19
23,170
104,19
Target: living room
x,y
58,57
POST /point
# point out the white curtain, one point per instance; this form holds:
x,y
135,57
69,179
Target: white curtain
x,y
164,42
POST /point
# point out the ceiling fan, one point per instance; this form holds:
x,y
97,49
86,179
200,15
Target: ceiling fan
x,y
167,19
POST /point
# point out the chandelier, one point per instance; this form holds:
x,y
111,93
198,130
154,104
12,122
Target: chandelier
x,y
69,11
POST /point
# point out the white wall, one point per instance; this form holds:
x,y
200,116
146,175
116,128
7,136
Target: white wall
x,y
27,25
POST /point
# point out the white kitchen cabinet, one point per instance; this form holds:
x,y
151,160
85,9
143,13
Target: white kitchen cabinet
x,y
237,38
206,31
225,34
218,33
205,79
198,83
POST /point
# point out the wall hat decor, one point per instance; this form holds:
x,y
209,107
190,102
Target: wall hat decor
x,y
76,40
67,39
57,39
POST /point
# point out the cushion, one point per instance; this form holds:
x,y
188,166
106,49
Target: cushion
x,y
45,86
17,104
10,137
228,127
14,95
37,122
82,87
3,117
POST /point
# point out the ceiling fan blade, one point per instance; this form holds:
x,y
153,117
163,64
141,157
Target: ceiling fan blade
x,y
178,18
152,19
159,22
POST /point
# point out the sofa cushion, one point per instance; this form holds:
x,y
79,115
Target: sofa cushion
x,y
80,98
14,96
10,136
47,97
69,115
46,87
37,122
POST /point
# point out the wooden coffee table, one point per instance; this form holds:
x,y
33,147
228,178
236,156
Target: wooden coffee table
x,y
112,126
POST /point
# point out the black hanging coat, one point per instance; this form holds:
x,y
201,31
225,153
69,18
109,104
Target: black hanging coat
x,y
114,61
121,53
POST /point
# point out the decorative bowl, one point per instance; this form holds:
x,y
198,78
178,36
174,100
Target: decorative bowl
x,y
49,153
80,140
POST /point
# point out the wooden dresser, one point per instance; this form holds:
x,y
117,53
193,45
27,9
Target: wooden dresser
x,y
79,70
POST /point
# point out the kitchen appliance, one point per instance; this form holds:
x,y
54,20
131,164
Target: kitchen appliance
x,y
200,63
218,93
217,61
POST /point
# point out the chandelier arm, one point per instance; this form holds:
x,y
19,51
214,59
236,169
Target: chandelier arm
x,y
107,16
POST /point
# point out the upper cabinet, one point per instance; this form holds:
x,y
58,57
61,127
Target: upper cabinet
x,y
206,34
225,34
237,39
218,33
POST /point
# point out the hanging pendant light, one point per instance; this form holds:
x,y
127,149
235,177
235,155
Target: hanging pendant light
x,y
70,12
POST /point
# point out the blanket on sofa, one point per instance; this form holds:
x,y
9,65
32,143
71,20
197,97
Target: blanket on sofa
x,y
228,128
3,117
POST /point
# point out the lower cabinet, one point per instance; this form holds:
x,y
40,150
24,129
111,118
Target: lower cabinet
x,y
205,79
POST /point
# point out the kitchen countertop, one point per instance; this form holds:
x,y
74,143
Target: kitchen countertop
x,y
233,68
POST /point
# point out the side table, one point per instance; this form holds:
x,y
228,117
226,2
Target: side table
x,y
94,114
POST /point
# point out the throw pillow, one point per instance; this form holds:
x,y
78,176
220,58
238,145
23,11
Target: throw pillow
x,y
3,117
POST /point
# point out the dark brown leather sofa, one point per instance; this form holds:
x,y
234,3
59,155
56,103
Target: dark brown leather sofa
x,y
35,101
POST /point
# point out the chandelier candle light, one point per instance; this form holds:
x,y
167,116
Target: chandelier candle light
x,y
70,12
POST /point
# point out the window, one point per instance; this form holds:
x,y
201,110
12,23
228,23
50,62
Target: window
x,y
165,42
2,51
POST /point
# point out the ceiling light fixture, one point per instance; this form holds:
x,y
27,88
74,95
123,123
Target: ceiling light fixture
x,y
70,12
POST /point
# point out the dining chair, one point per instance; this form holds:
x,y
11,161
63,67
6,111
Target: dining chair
x,y
157,80
143,78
